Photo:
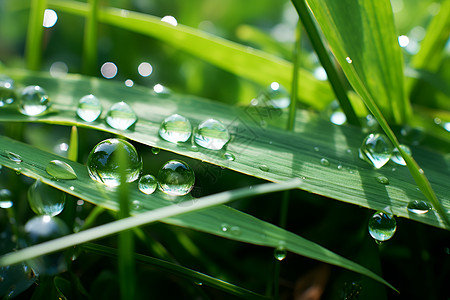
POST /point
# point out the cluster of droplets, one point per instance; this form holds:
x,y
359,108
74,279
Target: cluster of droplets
x,y
210,134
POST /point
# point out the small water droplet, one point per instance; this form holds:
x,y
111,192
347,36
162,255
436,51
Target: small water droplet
x,y
229,156
89,108
5,198
397,157
176,178
60,170
46,200
324,162
348,59
135,204
421,171
7,93
235,230
14,157
72,188
418,207
34,101
376,149
263,168
224,227
102,162
121,116
44,228
156,150
175,129
316,149
147,184
382,179
340,167
280,253
382,226
212,134
198,283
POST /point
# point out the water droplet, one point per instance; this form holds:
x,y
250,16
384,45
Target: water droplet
x,y
89,108
14,157
41,229
349,60
280,253
397,157
263,168
382,179
5,198
229,156
60,170
161,90
224,227
7,93
212,134
235,230
121,116
316,149
324,162
102,162
34,101
175,128
72,188
176,178
135,204
376,149
338,118
147,184
382,226
46,200
340,166
418,207
156,150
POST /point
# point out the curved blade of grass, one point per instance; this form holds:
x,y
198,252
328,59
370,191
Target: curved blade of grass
x,y
362,32
179,271
238,59
33,49
286,155
156,208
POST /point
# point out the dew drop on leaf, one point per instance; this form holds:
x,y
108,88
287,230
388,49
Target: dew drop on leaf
x,y
147,184
176,178
121,116
382,179
418,207
89,108
34,101
175,129
397,157
376,149
212,134
60,170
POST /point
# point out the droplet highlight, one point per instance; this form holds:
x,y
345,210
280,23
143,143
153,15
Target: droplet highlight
x,y
45,200
34,101
121,116
103,164
376,149
147,184
60,170
176,178
382,226
175,129
212,134
397,157
89,108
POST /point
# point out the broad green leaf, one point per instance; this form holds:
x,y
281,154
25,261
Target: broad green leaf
x,y
267,153
204,214
362,37
244,61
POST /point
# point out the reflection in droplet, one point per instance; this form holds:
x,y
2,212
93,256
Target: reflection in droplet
x,y
156,150
212,134
397,157
121,116
324,162
60,170
5,198
50,18
382,226
376,149
147,184
46,200
229,156
170,20
34,101
382,179
14,157
145,69
59,69
89,108
175,128
108,70
176,178
280,253
418,207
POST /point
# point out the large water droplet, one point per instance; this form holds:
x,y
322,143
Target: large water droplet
x,y
263,168
175,128
155,150
34,101
14,157
324,162
41,229
397,157
382,226
176,178
60,170
89,108
46,200
280,253
376,149
7,93
121,116
229,156
147,184
382,179
212,134
5,198
103,163
418,207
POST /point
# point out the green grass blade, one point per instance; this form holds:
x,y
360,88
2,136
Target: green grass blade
x,y
179,271
324,57
90,39
157,208
363,33
238,59
286,155
73,144
33,48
